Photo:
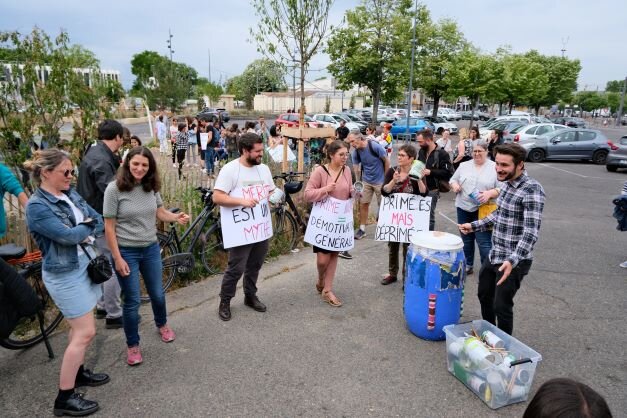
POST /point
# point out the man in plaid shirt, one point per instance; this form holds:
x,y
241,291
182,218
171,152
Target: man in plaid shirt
x,y
516,224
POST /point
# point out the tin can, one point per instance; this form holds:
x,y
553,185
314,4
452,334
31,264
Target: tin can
x,y
477,384
477,353
358,186
518,391
492,340
497,383
474,196
415,172
277,196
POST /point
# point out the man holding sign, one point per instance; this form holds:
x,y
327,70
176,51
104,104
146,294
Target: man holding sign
x,y
241,190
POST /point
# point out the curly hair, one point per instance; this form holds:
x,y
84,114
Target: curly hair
x,y
150,182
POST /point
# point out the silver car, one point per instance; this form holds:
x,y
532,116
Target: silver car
x,y
533,131
617,158
568,144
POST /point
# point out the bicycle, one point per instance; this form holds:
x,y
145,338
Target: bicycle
x,y
177,259
287,223
30,331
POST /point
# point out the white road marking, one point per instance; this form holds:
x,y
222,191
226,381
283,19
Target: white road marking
x,y
579,175
447,218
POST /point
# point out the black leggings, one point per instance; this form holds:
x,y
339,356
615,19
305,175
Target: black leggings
x,y
180,157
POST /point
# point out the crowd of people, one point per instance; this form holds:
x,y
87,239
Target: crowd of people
x,y
115,205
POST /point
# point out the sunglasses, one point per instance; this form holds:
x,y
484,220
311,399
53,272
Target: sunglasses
x,y
69,173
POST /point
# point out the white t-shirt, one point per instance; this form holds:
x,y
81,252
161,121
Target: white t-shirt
x,y
234,175
78,215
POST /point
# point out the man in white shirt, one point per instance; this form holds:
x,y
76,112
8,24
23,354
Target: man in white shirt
x,y
244,183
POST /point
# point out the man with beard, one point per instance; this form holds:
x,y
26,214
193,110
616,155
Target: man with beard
x,y
515,224
247,259
438,167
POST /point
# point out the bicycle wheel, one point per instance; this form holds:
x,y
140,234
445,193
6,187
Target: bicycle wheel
x,y
169,272
284,233
27,332
212,253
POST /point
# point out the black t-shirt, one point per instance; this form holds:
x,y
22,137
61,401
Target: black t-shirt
x,y
342,132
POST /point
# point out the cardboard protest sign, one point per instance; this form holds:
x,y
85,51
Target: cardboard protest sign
x,y
276,154
331,225
240,225
204,138
401,215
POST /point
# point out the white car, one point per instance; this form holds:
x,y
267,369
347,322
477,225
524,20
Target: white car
x,y
417,113
330,120
526,132
448,114
441,124
398,113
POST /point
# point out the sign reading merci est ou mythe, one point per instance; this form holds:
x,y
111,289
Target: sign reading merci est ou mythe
x,y
240,225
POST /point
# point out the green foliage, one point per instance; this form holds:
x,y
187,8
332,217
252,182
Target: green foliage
x,y
473,75
374,48
33,105
291,31
259,76
442,43
351,104
613,101
162,82
205,87
614,86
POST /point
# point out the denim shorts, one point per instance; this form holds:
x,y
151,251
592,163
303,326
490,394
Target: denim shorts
x,y
72,291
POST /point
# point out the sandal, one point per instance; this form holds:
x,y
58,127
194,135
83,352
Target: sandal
x,y
320,286
333,301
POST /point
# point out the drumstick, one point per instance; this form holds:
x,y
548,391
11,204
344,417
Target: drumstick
x,y
338,174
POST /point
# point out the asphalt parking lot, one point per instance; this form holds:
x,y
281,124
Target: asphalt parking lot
x,y
305,358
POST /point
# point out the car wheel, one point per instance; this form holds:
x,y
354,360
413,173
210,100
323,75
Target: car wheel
x,y
599,157
535,155
611,168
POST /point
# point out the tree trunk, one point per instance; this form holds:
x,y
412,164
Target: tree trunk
x,y
376,96
500,108
511,106
436,103
473,105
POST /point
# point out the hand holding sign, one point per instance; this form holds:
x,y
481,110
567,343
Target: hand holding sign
x,y
249,203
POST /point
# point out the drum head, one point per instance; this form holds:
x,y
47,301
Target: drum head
x,y
436,240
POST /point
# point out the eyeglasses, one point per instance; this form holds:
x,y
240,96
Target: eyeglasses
x,y
68,173
478,151
402,155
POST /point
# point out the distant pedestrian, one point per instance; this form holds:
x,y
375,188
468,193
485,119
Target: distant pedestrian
x,y
174,124
445,142
162,135
192,145
515,228
181,147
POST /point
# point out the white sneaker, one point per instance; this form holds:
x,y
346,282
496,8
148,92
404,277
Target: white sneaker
x,y
623,264
175,165
204,171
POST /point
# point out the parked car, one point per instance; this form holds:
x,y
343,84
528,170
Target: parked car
x,y
440,124
214,113
332,120
466,115
398,113
383,117
617,158
415,125
506,126
350,117
623,120
568,144
448,114
417,114
570,122
524,132
291,120
363,114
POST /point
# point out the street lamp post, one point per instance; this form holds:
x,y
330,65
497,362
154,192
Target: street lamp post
x,y
619,115
411,70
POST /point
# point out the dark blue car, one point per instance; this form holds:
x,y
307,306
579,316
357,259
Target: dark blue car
x,y
415,125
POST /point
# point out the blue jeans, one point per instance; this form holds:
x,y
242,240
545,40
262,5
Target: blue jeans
x,y
484,239
210,157
146,260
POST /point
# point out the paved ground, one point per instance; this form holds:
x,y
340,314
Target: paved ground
x,y
305,358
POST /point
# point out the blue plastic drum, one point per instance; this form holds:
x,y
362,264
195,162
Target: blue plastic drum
x,y
436,272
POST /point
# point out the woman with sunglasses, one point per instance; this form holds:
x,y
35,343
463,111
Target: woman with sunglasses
x,y
61,222
475,184
397,180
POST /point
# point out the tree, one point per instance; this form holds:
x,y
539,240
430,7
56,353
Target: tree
x,y
590,100
562,75
472,76
614,86
259,76
42,89
205,87
443,44
613,101
291,31
374,48
524,81
161,81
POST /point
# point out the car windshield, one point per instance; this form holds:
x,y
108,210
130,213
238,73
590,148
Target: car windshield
x,y
517,129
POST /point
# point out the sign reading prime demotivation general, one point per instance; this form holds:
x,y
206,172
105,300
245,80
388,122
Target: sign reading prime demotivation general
x,y
331,225
401,215
240,225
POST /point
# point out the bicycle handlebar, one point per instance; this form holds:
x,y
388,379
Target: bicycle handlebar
x,y
285,176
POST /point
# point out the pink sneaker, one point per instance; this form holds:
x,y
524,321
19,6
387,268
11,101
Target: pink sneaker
x,y
167,335
133,356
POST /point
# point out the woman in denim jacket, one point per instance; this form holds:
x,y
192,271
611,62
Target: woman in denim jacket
x,y
60,220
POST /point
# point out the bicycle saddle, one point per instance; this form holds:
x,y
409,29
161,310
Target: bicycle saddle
x,y
293,187
11,251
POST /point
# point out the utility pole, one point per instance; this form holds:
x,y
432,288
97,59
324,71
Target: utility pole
x,y
564,42
411,71
169,42
209,56
619,115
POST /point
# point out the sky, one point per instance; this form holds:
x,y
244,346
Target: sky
x,y
593,32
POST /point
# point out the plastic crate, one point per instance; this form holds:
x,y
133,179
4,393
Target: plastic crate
x,y
501,377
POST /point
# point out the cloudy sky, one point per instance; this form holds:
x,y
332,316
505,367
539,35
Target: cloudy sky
x,y
592,31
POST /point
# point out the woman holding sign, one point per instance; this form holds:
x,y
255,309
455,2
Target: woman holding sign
x,y
330,180
397,180
476,186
